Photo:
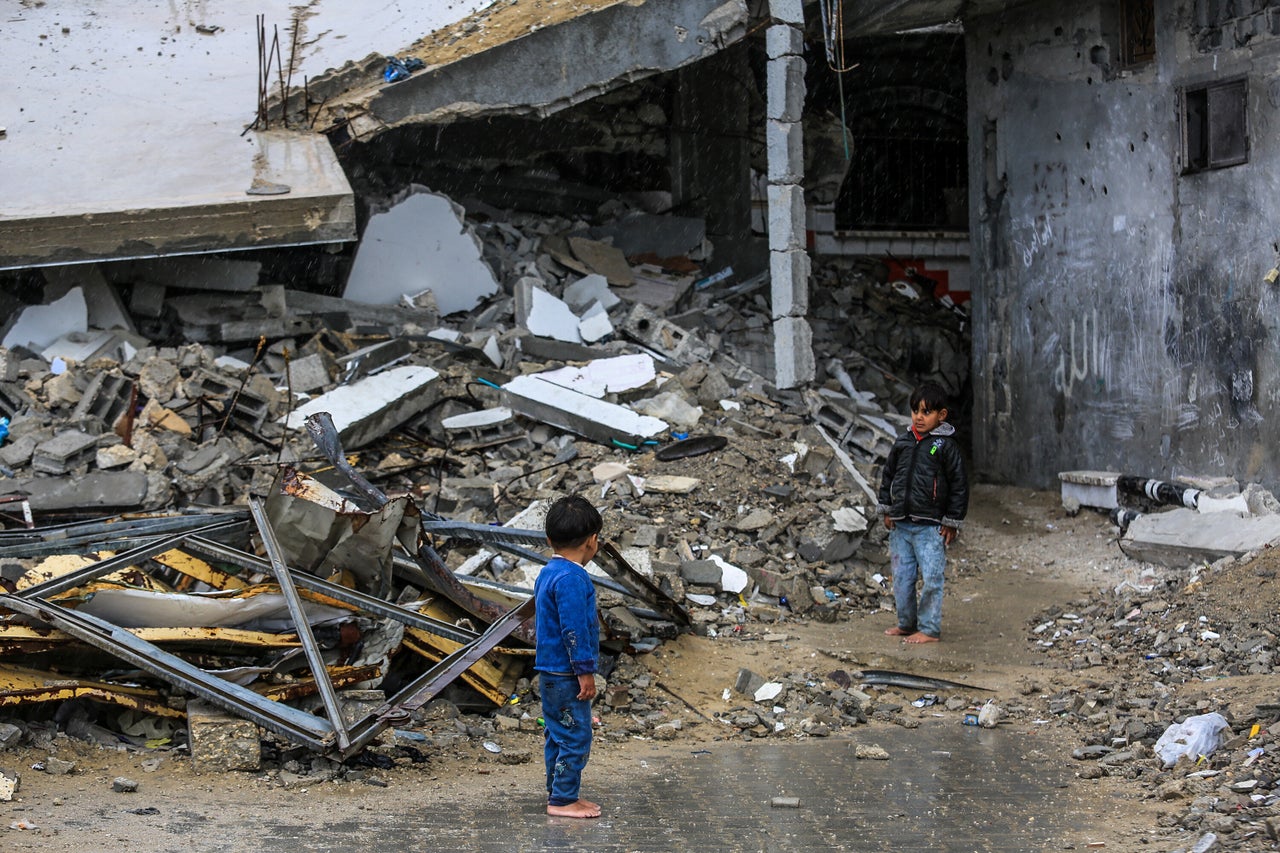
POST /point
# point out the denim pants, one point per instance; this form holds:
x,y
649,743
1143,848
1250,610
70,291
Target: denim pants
x,y
918,552
568,727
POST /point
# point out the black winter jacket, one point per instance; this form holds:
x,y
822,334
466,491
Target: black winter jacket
x,y
924,481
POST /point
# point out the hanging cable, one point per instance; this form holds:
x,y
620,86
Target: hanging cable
x,y
837,61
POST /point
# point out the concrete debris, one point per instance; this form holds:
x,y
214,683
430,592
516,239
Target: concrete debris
x,y
420,242
585,347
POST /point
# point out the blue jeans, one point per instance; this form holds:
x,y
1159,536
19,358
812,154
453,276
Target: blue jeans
x,y
568,726
918,552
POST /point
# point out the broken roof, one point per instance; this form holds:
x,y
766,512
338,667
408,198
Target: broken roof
x,y
124,127
130,131
531,57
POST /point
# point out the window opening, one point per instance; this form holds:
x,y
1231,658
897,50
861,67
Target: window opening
x,y
1137,32
1214,126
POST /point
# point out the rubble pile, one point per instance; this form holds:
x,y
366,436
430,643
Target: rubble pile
x,y
595,358
1171,631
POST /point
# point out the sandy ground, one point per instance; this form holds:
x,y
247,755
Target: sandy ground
x,y
1019,554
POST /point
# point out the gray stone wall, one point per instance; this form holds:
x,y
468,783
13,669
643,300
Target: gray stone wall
x,y
1121,316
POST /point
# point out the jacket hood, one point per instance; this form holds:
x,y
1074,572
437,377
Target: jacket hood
x,y
943,428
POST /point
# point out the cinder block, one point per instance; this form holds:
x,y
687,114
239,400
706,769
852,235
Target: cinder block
x,y
782,40
784,143
784,89
789,275
793,352
787,11
64,451
786,217
220,741
356,705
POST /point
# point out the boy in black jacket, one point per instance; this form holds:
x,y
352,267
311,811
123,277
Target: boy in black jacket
x,y
924,495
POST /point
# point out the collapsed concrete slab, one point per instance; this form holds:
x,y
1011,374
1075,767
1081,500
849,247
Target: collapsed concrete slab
x,y
365,410
1184,536
95,490
611,44
607,423
420,242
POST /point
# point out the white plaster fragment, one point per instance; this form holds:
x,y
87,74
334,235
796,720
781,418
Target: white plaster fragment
x,y
420,243
594,325
732,578
605,375
550,317
591,288
38,326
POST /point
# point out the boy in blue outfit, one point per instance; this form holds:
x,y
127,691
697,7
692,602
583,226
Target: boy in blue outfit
x,y
924,496
568,647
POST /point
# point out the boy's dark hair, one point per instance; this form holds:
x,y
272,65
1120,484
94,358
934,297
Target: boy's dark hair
x,y
571,521
933,395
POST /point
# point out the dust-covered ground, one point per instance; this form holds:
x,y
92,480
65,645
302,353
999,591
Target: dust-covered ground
x,y
1032,614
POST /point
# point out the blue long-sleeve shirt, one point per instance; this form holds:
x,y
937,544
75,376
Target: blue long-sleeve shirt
x,y
568,631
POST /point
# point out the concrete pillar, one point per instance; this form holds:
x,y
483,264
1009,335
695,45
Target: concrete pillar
x,y
789,263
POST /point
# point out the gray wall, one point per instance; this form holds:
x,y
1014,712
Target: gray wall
x,y
1121,320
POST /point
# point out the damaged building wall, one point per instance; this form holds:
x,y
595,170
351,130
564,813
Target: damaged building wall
x,y
1122,317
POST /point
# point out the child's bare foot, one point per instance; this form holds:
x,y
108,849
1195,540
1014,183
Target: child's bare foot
x,y
895,631
921,637
578,808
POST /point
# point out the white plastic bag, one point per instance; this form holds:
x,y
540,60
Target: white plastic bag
x,y
1194,736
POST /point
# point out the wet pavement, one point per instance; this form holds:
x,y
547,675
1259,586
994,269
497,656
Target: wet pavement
x,y
946,787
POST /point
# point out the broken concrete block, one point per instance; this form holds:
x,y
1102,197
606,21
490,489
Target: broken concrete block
x,y
672,408
1183,536
220,741
105,399
115,456
308,373
9,785
97,489
603,259
543,314
589,289
785,150
605,422
786,217
38,326
356,705
594,325
782,41
63,452
671,484
82,347
158,380
372,407
789,274
365,361
787,11
248,406
487,427
421,239
1089,488
849,520
701,572
748,682
784,102
794,362
603,376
